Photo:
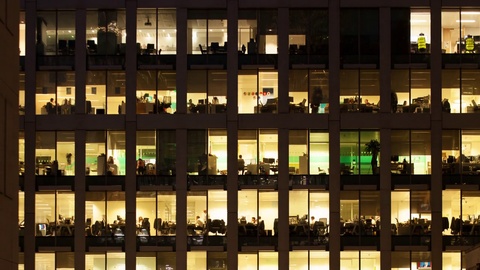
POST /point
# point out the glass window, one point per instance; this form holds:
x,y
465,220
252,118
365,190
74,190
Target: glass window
x,y
197,208
21,94
412,260
350,260
54,213
99,145
21,153
420,31
359,90
460,153
105,92
55,92
55,33
21,213
197,153
157,31
451,260
45,260
308,88
360,212
167,152
104,261
308,259
154,211
155,260
257,30
451,210
257,91
146,152
21,34
411,212
359,35
255,207
55,153
156,92
459,91
207,31
217,143
259,155
411,152
207,91
196,260
412,90
319,152
105,211
359,152
319,91
460,30
247,261
308,31
298,152
106,33
267,260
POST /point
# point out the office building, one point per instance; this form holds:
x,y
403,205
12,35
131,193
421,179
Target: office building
x,y
249,134
9,132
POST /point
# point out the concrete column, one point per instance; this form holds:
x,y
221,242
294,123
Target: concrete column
x,y
181,196
79,237
334,130
436,134
29,177
283,200
283,60
181,61
232,131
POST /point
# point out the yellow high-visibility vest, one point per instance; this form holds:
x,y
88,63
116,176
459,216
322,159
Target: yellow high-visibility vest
x,y
422,43
469,44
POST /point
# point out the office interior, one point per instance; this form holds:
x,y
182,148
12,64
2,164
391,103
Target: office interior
x,y
308,149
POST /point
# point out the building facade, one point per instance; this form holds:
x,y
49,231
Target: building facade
x,y
8,131
249,135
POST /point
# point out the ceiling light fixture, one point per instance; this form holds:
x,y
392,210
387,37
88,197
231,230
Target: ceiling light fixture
x,y
148,23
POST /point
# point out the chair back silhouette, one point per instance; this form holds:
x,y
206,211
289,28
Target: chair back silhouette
x,y
146,225
261,228
217,226
203,51
275,226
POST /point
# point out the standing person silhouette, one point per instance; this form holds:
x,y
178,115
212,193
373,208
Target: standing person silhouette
x,y
241,164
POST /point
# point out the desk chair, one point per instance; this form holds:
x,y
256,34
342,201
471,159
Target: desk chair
x,y
214,47
150,49
71,46
62,46
217,226
203,51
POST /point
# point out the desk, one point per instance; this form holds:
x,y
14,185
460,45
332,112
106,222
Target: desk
x,y
64,229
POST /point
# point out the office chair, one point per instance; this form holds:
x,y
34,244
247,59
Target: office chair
x,y
275,227
151,49
203,51
146,225
62,46
217,226
261,228
71,46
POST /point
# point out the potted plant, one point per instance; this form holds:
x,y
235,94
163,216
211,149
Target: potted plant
x,y
373,147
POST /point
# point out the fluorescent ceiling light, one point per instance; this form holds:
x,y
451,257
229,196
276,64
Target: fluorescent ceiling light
x,y
470,12
466,21
417,21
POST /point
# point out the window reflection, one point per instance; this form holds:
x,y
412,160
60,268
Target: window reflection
x,y
105,153
55,33
257,91
106,33
411,153
354,156
54,213
55,153
359,91
257,31
460,28
207,30
156,31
